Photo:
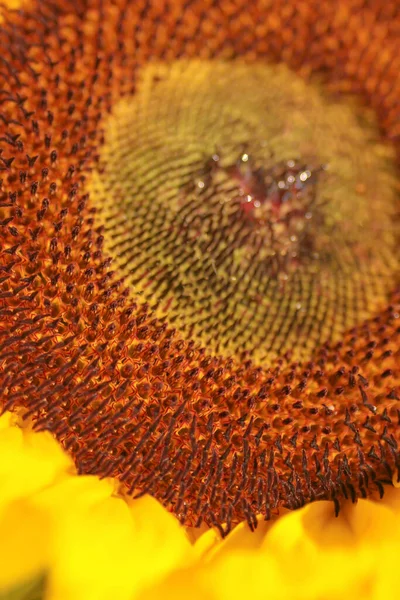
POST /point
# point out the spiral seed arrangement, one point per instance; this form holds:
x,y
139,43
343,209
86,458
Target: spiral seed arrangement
x,y
199,246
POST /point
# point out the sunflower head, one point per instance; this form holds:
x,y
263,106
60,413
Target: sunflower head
x,y
199,249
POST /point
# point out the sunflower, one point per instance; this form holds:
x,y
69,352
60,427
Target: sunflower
x,y
199,299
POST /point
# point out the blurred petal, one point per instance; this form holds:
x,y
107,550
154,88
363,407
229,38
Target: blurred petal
x,y
24,544
94,553
37,455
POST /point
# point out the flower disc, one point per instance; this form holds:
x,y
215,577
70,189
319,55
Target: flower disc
x,y
199,246
247,207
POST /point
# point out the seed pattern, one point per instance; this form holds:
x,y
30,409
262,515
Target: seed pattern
x,y
204,215
214,438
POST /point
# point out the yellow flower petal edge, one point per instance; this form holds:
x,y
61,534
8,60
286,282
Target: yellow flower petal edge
x,y
76,537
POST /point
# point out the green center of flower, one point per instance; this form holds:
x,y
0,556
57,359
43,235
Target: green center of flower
x,y
250,210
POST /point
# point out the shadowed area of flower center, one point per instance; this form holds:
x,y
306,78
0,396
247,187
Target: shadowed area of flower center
x,y
253,212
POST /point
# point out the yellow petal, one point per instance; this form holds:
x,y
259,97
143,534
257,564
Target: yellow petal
x,y
28,462
391,498
246,574
205,544
230,576
242,538
24,544
73,494
294,551
106,548
187,584
333,574
328,557
162,543
364,522
387,574
287,534
94,556
7,419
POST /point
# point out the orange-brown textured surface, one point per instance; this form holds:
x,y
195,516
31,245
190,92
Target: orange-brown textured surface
x,y
214,438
